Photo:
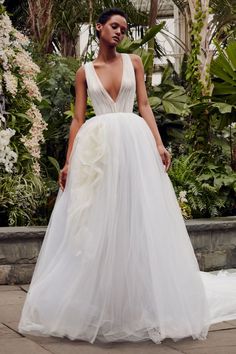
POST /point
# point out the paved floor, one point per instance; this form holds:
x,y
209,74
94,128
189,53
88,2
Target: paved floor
x,y
221,338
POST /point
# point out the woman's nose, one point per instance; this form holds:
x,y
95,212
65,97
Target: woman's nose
x,y
118,32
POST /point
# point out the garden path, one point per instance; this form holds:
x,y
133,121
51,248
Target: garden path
x,y
221,338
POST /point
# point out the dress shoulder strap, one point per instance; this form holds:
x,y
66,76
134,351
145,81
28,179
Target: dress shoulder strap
x,y
128,67
88,73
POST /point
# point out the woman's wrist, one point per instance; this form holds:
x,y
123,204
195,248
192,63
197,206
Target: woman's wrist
x,y
159,144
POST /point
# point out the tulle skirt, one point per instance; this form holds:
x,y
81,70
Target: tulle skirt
x,y
117,263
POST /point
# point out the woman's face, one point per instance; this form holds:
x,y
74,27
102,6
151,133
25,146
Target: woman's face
x,y
113,31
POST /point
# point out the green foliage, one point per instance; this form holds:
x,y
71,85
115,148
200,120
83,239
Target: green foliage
x,y
210,186
220,26
169,103
56,82
138,46
205,175
223,16
223,69
20,197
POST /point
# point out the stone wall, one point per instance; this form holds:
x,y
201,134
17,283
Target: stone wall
x,y
214,242
19,249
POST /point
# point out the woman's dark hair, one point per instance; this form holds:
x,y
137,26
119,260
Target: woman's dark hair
x,y
107,14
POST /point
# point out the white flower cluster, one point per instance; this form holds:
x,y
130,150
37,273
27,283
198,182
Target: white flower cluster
x,y
14,56
32,88
19,71
182,197
35,136
11,82
7,156
26,65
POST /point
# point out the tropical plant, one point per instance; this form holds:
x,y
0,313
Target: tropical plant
x,y
56,82
138,46
223,69
207,20
169,103
56,25
209,187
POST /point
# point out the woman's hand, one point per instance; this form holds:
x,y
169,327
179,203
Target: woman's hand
x,y
165,156
63,176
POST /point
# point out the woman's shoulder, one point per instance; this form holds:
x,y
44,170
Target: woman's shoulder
x,y
80,73
136,60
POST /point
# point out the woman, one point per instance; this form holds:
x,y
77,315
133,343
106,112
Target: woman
x,y
116,263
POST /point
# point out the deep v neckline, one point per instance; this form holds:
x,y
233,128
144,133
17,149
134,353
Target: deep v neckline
x,y
121,82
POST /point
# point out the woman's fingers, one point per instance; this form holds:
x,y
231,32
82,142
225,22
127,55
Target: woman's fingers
x,y
62,180
166,159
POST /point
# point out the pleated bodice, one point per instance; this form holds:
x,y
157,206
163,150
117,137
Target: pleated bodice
x,y
101,100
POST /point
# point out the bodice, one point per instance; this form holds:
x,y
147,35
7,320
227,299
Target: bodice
x,y
101,100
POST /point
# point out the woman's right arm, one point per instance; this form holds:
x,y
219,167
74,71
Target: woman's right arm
x,y
78,120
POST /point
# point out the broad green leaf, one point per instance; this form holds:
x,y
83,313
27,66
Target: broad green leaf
x,y
166,75
145,56
231,51
225,64
151,32
154,101
223,107
218,70
174,101
129,46
54,162
223,88
176,95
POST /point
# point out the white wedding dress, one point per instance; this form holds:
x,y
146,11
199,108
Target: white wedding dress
x,y
117,263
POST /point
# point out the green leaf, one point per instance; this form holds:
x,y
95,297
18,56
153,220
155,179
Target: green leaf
x,y
23,115
231,50
55,163
217,69
223,88
129,46
154,101
223,107
174,101
145,56
151,32
166,75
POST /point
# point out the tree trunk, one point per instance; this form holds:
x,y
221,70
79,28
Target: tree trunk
x,y
151,43
41,23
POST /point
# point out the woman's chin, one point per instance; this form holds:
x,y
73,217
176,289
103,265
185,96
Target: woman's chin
x,y
113,44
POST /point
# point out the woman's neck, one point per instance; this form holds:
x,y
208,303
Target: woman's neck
x,y
106,54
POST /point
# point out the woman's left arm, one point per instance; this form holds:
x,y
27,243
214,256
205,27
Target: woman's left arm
x,y
146,111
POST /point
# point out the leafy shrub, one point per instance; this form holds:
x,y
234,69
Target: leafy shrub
x,y
210,188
